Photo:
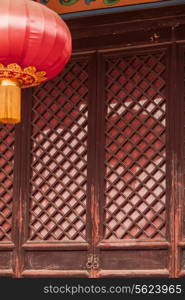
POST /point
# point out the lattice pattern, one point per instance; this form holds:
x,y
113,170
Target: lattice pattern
x,y
6,180
135,147
59,157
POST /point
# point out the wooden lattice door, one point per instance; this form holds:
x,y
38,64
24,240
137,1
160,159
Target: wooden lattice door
x,y
59,200
95,197
133,199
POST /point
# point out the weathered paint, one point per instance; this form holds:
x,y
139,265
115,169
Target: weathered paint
x,y
69,6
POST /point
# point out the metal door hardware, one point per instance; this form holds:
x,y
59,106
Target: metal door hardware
x,y
96,262
92,262
89,264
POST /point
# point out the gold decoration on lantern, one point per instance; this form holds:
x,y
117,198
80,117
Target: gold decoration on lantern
x,y
10,101
27,77
12,79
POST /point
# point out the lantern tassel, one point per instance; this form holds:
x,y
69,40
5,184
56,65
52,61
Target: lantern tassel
x,y
10,101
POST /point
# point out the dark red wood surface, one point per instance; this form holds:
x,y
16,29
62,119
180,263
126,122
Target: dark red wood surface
x,y
92,180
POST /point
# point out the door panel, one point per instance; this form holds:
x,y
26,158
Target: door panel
x,y
134,195
58,186
179,182
6,176
135,165
58,226
7,198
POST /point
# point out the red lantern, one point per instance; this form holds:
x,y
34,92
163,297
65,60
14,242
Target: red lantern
x,y
35,46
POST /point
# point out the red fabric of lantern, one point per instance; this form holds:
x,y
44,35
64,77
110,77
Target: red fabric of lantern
x,y
35,46
33,35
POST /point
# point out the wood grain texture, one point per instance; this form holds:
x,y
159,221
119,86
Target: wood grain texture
x,y
45,237
49,273
134,273
55,260
5,259
134,259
